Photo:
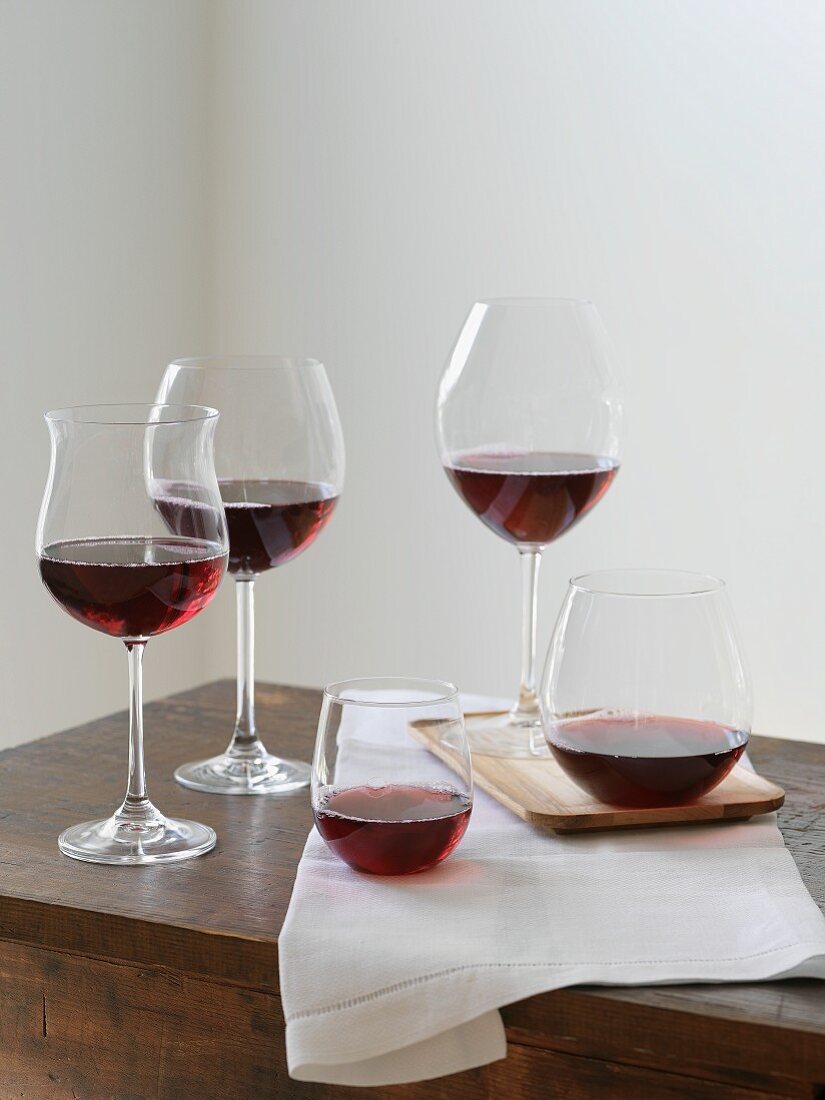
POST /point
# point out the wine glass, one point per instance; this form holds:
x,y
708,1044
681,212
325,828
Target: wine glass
x,y
645,694
106,556
381,801
527,423
280,463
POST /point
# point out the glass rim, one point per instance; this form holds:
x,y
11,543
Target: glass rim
x,y
263,361
692,584
534,299
96,414
442,690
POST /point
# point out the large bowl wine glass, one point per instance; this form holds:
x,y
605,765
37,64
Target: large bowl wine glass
x,y
279,456
527,423
646,695
107,557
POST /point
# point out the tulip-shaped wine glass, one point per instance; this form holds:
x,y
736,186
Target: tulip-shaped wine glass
x,y
279,456
107,557
527,423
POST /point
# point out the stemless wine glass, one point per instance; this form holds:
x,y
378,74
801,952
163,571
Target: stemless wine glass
x,y
383,803
106,556
645,695
280,464
527,422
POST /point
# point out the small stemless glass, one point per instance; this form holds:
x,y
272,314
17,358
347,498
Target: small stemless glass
x,y
646,697
382,802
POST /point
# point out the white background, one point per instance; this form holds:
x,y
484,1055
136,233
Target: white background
x,y
104,258
343,180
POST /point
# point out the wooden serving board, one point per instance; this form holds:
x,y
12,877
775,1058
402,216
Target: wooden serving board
x,y
540,792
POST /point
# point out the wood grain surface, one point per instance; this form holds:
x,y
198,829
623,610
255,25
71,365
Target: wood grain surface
x,y
161,983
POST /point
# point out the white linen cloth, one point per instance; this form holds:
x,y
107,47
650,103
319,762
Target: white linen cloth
x,y
387,980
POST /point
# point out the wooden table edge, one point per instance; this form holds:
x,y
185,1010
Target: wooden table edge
x,y
241,960
536,1023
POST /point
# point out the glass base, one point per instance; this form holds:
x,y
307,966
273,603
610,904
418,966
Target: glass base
x,y
263,774
113,840
502,735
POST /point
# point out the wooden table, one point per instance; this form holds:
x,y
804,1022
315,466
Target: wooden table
x,y
144,983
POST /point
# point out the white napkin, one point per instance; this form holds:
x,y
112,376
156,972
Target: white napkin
x,y
387,980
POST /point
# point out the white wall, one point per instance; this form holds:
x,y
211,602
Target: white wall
x,y
380,165
344,179
102,280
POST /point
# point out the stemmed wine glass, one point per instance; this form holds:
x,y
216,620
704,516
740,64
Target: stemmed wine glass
x,y
527,423
280,464
646,695
106,556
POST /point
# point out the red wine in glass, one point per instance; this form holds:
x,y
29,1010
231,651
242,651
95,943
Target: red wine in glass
x,y
531,498
132,587
392,830
646,760
271,522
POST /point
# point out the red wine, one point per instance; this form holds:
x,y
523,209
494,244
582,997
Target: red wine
x,y
132,587
271,522
184,510
392,830
646,760
531,498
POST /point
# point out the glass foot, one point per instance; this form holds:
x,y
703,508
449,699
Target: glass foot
x,y
225,774
500,735
113,840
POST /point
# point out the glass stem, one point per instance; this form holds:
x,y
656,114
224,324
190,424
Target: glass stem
x,y
245,741
526,711
137,811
